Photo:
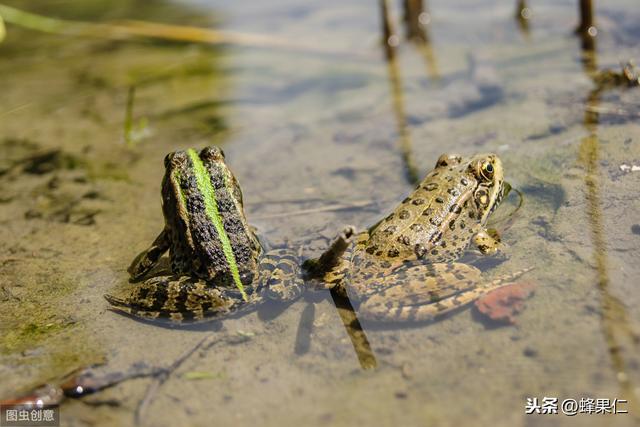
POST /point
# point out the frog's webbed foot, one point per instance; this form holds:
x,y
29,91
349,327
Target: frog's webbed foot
x,y
147,259
280,275
415,293
179,299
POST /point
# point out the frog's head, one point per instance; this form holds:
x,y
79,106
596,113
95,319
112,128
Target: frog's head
x,y
180,159
488,172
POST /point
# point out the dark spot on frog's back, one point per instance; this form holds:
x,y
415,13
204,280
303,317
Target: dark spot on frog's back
x,y
416,228
439,200
404,214
393,253
390,230
428,212
431,186
405,240
418,202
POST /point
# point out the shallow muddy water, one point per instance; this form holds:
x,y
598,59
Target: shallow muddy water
x,y
322,130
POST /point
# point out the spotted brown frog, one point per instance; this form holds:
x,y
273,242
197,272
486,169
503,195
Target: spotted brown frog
x,y
218,263
403,268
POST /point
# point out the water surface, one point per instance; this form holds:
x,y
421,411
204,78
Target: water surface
x,y
321,131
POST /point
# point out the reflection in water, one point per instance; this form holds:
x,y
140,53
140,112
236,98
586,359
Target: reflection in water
x,y
316,269
395,79
305,329
621,340
390,43
586,24
523,14
358,338
586,28
415,18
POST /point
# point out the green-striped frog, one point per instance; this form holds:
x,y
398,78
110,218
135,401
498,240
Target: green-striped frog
x,y
403,268
218,263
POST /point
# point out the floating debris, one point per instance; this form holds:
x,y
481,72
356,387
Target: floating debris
x,y
628,76
629,168
504,304
201,375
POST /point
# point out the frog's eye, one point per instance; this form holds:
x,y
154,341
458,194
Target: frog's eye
x,y
212,153
486,170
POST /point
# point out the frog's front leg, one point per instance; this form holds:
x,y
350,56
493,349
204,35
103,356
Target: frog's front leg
x,y
179,299
147,259
280,277
488,242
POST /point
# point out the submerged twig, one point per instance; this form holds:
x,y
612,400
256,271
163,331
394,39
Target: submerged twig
x,y
163,377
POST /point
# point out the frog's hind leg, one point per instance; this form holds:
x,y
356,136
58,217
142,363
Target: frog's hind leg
x,y
410,295
280,276
147,259
180,300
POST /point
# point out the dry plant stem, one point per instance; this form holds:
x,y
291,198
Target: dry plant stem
x,y
3,30
131,29
128,118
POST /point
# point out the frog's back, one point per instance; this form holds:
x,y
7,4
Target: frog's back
x,y
208,231
427,223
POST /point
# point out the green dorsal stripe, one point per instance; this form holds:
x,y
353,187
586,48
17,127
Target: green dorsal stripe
x,y
211,209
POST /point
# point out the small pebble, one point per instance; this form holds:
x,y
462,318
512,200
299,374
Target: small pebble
x,y
529,352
